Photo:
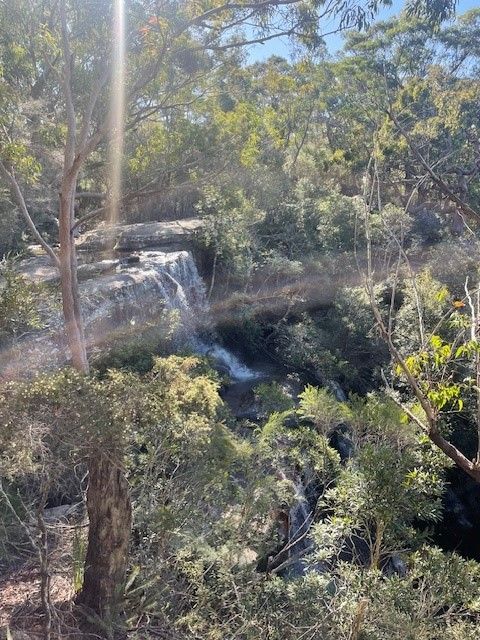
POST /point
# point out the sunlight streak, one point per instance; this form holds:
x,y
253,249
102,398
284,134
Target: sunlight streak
x,y
117,110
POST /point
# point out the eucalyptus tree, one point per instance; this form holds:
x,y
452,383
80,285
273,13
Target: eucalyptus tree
x,y
406,93
423,86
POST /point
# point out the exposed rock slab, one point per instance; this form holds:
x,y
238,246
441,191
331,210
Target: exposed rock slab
x,y
132,237
39,269
117,296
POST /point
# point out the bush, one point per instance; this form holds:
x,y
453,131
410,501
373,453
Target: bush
x,y
19,304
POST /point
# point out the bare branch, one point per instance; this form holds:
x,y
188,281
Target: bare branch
x,y
17,196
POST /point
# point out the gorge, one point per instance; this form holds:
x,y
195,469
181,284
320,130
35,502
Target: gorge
x,y
135,277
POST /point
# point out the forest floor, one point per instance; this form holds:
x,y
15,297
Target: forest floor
x,y
20,605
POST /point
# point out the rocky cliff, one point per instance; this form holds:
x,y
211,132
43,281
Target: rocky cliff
x,y
130,277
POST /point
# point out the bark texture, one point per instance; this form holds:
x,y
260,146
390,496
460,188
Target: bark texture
x,y
110,515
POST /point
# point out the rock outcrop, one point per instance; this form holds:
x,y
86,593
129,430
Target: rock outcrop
x,y
125,292
133,237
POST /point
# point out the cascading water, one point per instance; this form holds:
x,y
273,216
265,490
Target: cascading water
x,y
226,361
132,294
121,296
181,287
183,290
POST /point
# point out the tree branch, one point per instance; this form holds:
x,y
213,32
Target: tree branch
x,y
18,198
67,86
94,95
443,186
431,428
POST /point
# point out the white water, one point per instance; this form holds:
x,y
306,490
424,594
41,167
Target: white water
x,y
226,360
133,292
180,285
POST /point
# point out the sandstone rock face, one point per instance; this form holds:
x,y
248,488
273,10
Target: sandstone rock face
x,y
119,295
137,293
132,237
39,269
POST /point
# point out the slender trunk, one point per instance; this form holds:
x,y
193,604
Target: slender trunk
x,y
77,309
358,619
110,515
212,281
377,547
44,572
69,282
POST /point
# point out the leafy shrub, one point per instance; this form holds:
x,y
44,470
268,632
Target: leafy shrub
x,y
272,397
230,221
19,304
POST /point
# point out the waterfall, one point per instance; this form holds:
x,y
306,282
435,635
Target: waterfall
x,y
140,289
126,295
182,289
226,361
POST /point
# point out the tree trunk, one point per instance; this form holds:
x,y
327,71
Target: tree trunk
x,y
108,499
377,547
69,282
110,515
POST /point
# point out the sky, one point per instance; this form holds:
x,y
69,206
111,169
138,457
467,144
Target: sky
x,y
280,46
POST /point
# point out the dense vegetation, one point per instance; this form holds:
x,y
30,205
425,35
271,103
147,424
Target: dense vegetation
x,y
340,199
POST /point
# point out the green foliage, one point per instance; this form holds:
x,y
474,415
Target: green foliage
x,y
136,350
337,343
394,480
303,345
19,304
425,298
273,156
205,502
272,397
322,409
10,228
299,447
313,220
424,604
230,221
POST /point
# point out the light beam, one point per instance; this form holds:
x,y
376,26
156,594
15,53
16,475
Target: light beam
x,y
117,109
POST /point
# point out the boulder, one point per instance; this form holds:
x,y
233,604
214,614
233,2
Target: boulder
x,y
62,513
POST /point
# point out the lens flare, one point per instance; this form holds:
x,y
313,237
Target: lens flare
x,y
117,110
